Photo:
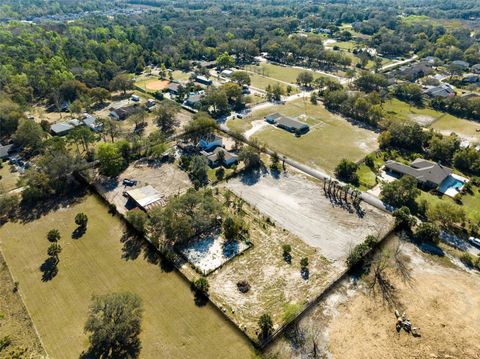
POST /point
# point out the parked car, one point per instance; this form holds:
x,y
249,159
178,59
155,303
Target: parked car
x,y
474,241
129,182
135,98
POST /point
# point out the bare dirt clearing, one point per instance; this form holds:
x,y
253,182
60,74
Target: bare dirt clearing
x,y
166,178
442,301
300,206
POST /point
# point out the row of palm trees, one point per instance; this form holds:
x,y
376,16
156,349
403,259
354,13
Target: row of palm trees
x,y
341,193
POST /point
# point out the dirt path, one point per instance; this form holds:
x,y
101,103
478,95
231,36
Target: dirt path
x,y
256,126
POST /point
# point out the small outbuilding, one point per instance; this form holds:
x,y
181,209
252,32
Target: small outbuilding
x,y
146,197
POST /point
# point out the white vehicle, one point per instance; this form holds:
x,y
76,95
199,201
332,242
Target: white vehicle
x,y
474,241
135,98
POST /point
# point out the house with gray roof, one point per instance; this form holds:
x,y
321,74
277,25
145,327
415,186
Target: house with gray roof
x,y
214,158
63,128
444,90
287,123
5,151
428,174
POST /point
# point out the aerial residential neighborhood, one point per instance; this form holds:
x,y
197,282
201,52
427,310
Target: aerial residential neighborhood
x,y
239,179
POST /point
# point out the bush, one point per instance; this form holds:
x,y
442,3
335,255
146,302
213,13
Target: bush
x,y
427,232
201,285
81,219
220,173
403,218
357,254
138,219
304,262
243,286
467,259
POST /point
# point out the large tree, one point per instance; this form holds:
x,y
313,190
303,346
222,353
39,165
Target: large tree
x,y
110,159
165,117
114,326
402,192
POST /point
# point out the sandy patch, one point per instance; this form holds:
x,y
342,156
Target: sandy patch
x,y
422,120
153,85
300,206
257,125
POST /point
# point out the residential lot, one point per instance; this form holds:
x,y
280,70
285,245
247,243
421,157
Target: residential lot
x,y
8,179
166,178
428,117
330,139
104,261
300,206
440,299
281,73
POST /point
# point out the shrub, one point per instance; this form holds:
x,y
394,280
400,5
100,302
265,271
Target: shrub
x,y
467,259
138,219
357,254
287,249
53,235
266,325
81,219
243,286
427,232
304,262
201,285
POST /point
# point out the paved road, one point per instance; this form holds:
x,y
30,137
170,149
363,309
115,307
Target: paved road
x,y
397,64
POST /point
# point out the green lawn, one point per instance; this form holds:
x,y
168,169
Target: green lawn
x,y
470,203
330,138
173,326
181,75
281,73
440,121
8,179
366,176
261,82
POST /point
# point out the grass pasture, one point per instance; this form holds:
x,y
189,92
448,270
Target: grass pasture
x,y
98,263
437,120
330,138
281,73
8,179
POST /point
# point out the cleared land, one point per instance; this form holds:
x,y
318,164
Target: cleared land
x,y
276,286
300,206
102,262
282,73
428,117
330,139
442,300
152,85
166,178
15,322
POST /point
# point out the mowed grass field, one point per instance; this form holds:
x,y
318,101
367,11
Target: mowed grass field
x,y
8,179
281,73
173,326
437,120
330,138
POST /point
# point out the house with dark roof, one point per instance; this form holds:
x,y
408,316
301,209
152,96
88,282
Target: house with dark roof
x,y
444,90
63,128
428,174
414,72
287,123
214,158
194,100
122,113
174,88
203,80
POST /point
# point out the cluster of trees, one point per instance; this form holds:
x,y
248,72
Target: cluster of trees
x,y
458,106
360,107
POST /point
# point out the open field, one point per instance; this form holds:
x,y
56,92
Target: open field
x,y
166,178
181,75
8,179
102,262
442,300
276,286
300,206
262,82
330,138
152,85
437,120
282,73
15,322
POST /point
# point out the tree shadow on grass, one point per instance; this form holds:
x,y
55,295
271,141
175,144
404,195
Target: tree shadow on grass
x,y
200,299
132,245
79,232
126,352
29,212
49,269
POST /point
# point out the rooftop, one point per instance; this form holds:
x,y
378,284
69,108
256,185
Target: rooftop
x,y
146,197
422,170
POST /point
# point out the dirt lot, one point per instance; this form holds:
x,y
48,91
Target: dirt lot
x,y
15,322
441,299
276,286
152,84
166,178
300,206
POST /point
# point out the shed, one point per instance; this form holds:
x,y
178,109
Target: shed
x,y
146,197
